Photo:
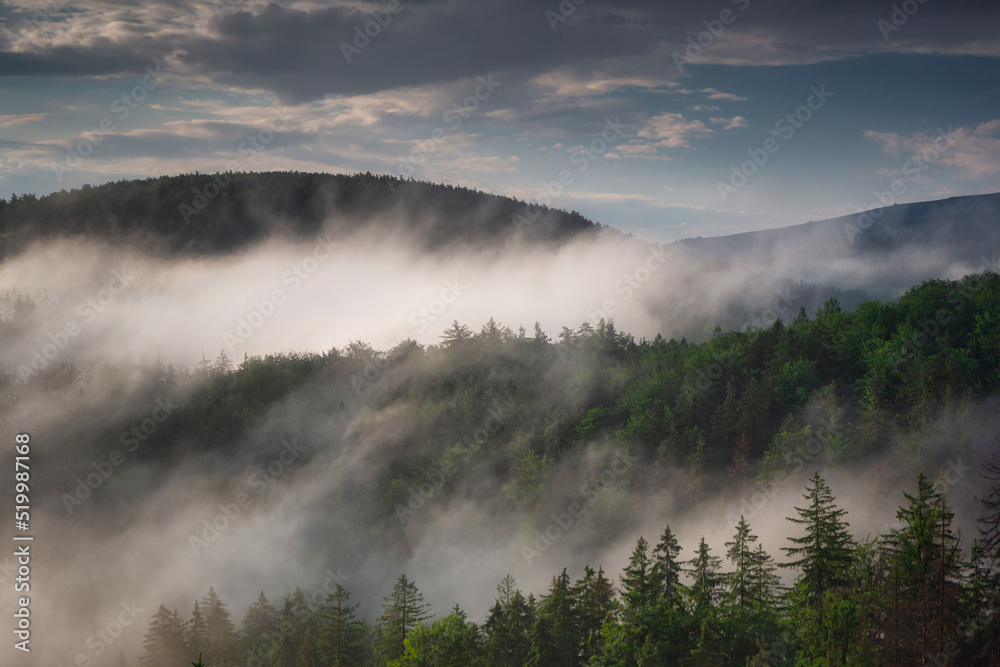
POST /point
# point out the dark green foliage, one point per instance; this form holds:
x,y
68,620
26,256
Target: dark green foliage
x,y
403,611
905,597
824,553
341,641
508,626
172,214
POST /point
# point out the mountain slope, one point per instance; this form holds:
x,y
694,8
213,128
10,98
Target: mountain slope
x,y
889,248
205,214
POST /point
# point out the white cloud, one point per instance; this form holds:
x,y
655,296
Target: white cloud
x,y
10,120
975,151
730,123
672,130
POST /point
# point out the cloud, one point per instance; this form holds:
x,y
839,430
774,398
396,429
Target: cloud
x,y
714,94
973,151
10,120
731,123
672,130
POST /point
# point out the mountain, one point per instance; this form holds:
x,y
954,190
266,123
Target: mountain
x,y
882,250
198,214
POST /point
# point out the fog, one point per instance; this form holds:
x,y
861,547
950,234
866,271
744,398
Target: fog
x,y
288,500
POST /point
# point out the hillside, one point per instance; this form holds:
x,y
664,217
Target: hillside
x,y
204,214
885,248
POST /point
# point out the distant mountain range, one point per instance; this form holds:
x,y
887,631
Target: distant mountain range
x,y
883,251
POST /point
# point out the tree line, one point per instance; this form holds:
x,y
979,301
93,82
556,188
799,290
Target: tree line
x,y
912,595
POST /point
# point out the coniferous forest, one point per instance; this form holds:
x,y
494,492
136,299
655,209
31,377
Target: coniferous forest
x,y
500,333
758,408
911,596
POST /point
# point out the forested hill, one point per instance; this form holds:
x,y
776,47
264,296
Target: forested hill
x,y
890,246
202,213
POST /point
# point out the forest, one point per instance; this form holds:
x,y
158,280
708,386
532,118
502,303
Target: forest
x,y
755,407
198,214
907,597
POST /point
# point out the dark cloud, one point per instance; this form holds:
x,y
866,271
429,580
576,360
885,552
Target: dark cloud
x,y
297,53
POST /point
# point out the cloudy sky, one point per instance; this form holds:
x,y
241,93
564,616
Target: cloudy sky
x,y
646,109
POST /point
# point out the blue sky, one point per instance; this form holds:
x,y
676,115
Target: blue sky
x,y
506,96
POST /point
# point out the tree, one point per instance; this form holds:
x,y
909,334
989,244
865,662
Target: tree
x,y
637,580
308,654
824,553
556,637
764,585
456,335
594,597
261,620
451,641
927,562
196,636
740,552
340,642
163,643
402,611
508,626
709,651
540,337
705,577
667,569
220,634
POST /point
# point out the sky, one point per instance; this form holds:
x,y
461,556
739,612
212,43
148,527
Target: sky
x,y
666,120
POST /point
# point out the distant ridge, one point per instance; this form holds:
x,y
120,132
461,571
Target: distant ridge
x,y
893,247
206,214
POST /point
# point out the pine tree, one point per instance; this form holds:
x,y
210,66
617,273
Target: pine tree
x,y
637,580
195,635
456,336
307,654
764,585
163,643
509,626
555,639
296,620
594,596
667,569
261,620
927,561
824,553
340,640
220,634
540,337
403,610
705,577
740,552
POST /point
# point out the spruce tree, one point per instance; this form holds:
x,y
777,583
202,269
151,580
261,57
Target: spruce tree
x,y
556,637
164,643
667,569
509,626
220,633
740,552
637,580
402,611
594,596
340,639
928,563
824,553
195,635
705,577
261,620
